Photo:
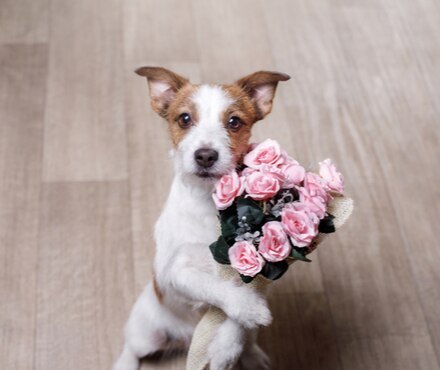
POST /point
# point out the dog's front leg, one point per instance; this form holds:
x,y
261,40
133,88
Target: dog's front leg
x,y
227,345
241,303
232,344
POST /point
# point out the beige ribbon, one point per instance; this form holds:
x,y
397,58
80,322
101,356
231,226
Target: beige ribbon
x,y
341,207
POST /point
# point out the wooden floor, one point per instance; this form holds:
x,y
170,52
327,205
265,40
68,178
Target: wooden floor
x,y
84,170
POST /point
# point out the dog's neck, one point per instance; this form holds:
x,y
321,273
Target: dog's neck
x,y
189,191
190,207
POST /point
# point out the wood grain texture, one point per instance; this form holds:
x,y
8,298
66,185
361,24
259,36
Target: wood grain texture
x,y
157,31
85,123
24,21
85,274
389,352
78,204
224,30
23,75
310,339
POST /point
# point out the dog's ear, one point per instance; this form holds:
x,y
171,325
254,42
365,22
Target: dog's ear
x,y
261,86
163,85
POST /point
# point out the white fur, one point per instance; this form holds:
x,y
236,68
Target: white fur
x,y
184,267
209,132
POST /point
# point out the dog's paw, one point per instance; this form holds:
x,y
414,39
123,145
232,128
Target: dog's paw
x,y
254,358
226,346
249,309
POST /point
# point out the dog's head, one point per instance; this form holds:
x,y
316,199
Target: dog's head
x,y
210,125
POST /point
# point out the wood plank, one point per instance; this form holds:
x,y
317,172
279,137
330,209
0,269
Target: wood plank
x,y
85,123
85,274
409,92
403,108
389,352
302,334
161,32
24,21
232,39
23,71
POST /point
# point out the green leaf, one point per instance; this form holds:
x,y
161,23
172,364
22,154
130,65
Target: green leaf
x,y
229,224
219,250
246,279
295,253
228,230
326,225
251,210
230,211
274,270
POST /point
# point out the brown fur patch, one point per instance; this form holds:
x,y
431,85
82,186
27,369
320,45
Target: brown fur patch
x,y
244,109
181,104
161,102
252,82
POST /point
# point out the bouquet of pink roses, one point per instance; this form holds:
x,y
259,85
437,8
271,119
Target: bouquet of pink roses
x,y
272,210
272,213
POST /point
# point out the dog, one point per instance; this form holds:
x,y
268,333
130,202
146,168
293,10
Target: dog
x,y
210,127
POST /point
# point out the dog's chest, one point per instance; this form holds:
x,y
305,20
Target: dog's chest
x,y
189,221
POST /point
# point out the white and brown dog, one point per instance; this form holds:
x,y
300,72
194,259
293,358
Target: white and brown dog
x,y
210,126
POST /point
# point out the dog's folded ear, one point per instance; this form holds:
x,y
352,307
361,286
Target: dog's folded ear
x,y
261,87
163,85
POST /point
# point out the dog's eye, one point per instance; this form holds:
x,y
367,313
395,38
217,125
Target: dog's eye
x,y
184,120
234,123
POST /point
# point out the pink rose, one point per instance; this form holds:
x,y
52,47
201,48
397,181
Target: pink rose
x,y
315,203
293,174
262,185
267,152
245,258
227,189
247,171
274,171
299,223
274,245
288,175
316,186
333,178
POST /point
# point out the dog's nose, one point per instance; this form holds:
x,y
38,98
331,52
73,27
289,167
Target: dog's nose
x,y
205,157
